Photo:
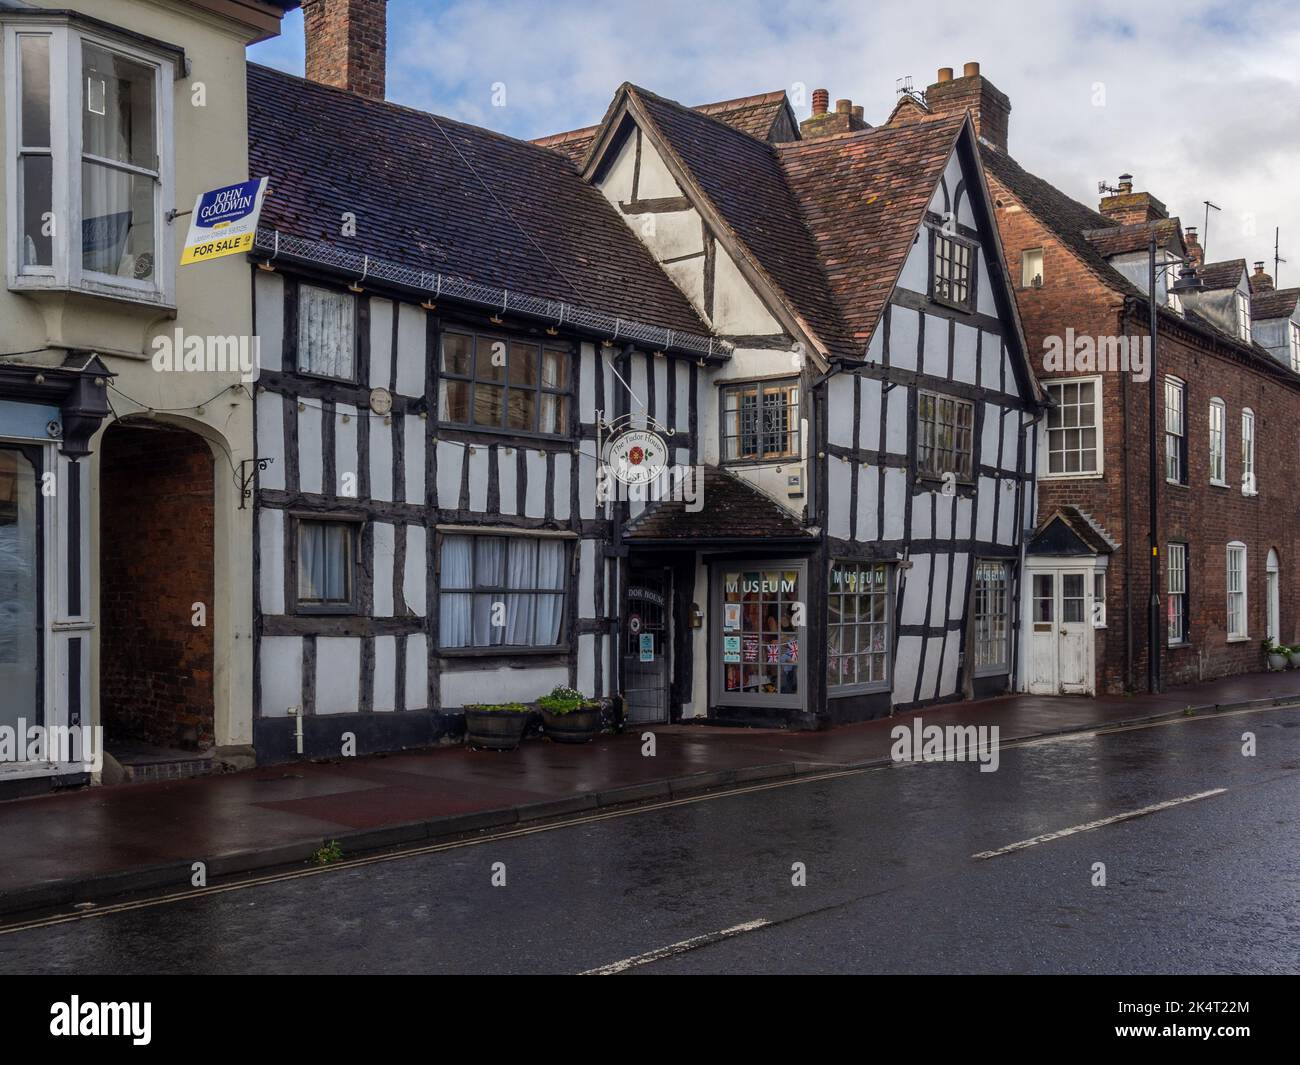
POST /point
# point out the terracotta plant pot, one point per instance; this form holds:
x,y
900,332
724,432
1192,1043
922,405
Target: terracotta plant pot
x,y
577,726
494,730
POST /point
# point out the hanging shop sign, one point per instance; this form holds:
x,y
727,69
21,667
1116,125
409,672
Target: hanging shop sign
x,y
224,221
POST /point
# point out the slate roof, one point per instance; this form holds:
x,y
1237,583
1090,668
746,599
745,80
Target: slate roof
x,y
440,195
732,510
863,196
1226,274
1081,525
743,179
756,115
1279,303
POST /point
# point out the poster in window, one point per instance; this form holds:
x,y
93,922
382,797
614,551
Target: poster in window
x,y
731,648
647,645
731,619
751,647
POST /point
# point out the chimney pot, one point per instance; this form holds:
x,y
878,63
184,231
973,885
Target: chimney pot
x,y
1259,266
945,74
970,70
821,101
858,113
843,107
1126,183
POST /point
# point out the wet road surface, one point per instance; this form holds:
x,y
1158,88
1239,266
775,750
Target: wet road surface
x,y
1211,885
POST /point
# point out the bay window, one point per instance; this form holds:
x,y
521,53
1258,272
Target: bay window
x,y
89,167
503,592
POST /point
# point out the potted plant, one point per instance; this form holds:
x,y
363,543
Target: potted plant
x,y
569,716
1278,656
496,726
1293,655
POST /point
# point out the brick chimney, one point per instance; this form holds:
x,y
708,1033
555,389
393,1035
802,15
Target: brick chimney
x,y
1195,253
1260,281
972,92
823,122
1126,207
346,44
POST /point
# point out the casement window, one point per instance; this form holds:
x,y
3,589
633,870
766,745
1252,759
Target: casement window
x,y
1236,606
945,436
1295,347
1074,427
992,620
858,626
952,270
88,171
325,559
1031,268
1248,452
327,333
494,382
1176,592
1243,317
1175,431
1218,444
760,421
504,592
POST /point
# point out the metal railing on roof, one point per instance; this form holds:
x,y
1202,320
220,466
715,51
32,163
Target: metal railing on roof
x,y
270,245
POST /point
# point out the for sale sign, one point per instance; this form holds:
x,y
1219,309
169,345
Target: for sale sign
x,y
224,221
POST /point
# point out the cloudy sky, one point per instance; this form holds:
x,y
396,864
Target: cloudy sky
x,y
1197,100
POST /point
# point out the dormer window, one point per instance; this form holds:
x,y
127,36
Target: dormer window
x,y
1243,317
1295,347
89,173
952,269
1172,299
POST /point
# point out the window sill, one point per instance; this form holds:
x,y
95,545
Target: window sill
x,y
1238,639
1089,476
501,651
783,460
1181,645
1175,484
48,287
1219,484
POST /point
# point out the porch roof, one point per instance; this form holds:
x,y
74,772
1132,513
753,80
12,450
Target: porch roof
x,y
730,510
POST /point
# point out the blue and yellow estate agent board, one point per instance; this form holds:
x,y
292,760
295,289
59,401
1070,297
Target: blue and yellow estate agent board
x,y
224,221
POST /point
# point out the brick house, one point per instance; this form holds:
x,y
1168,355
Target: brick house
x,y
1227,410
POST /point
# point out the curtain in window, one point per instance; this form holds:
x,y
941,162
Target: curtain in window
x,y
489,572
521,573
325,328
322,562
550,608
454,618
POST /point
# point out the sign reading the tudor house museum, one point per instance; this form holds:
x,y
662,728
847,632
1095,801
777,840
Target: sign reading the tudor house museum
x,y
224,221
637,456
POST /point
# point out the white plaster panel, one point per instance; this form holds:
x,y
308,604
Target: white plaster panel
x,y
936,346
915,275
562,487
896,421
587,479
346,456
270,439
385,681
270,530
895,503
499,685
478,458
417,672
450,457
868,500
281,664
990,361
587,664
269,293
535,498
508,480
413,457
311,445
906,659
338,674
904,326
381,460
964,346
381,343
412,337
838,496
987,488
839,419
414,581
916,591
869,419
384,538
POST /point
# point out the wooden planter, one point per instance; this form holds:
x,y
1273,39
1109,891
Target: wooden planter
x,y
580,726
494,730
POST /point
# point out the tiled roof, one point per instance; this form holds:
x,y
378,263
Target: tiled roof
x,y
732,510
443,196
742,178
1279,303
863,197
1121,240
758,116
1226,274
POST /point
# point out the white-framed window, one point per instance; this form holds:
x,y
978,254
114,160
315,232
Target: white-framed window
x,y
1295,347
504,592
1176,592
327,332
992,618
1218,448
1175,431
88,170
1248,452
1236,606
1031,268
1074,428
859,617
1172,299
945,436
952,269
1243,317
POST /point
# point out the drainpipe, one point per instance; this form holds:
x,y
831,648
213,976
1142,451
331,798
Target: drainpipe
x,y
1153,598
1128,538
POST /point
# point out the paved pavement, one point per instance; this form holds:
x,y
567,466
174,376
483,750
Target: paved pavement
x,y
92,843
1207,885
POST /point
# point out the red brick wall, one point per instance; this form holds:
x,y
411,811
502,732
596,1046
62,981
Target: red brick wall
x,y
1204,516
346,44
156,549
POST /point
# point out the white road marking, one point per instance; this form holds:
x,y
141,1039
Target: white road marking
x,y
676,948
1049,836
